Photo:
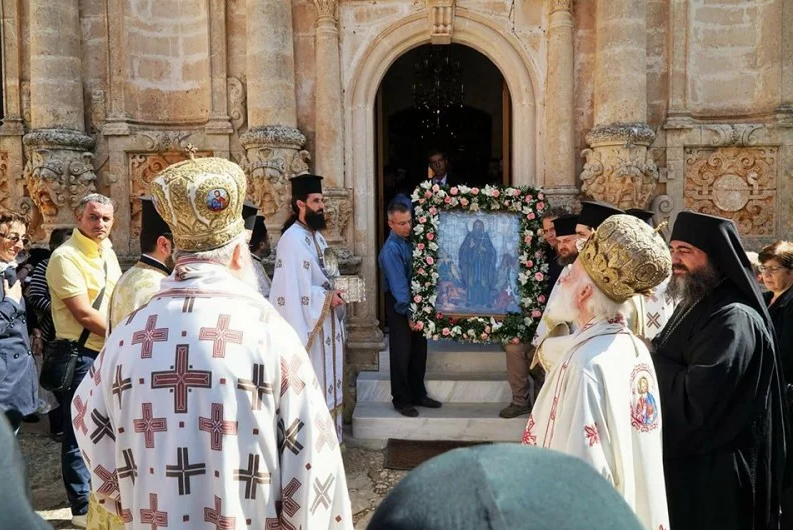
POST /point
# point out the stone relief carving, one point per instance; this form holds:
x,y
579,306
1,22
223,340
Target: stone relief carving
x,y
561,5
272,156
441,19
739,134
143,167
338,212
25,89
236,102
326,8
59,172
165,140
98,110
5,190
738,183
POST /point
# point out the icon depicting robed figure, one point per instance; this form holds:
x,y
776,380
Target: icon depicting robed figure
x,y
477,259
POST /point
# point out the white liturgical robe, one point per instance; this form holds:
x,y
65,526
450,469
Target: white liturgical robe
x,y
600,403
654,311
202,411
302,293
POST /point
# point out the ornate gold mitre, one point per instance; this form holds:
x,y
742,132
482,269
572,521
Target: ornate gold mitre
x,y
201,200
625,257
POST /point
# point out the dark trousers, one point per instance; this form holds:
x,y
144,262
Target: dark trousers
x,y
76,476
55,416
14,418
408,358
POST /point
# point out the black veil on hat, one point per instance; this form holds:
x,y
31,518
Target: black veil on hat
x,y
249,211
644,215
594,213
565,225
259,228
304,185
151,222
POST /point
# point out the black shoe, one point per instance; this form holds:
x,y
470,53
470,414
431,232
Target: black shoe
x,y
429,403
31,418
410,412
57,437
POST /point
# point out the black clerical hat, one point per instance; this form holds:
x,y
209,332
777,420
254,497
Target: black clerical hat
x,y
249,211
644,215
565,225
594,213
151,223
259,228
304,185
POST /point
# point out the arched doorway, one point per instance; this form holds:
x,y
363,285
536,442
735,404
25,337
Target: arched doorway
x,y
451,99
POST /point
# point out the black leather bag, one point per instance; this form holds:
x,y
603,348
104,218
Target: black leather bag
x,y
60,356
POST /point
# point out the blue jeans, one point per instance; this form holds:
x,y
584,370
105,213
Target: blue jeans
x,y
76,476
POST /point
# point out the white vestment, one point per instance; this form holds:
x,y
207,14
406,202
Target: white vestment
x,y
202,411
600,402
262,279
654,311
302,293
546,325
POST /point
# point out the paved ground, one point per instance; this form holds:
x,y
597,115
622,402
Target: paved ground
x,y
368,482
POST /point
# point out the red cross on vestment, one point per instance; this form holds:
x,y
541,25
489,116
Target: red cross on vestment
x,y
220,335
288,504
152,515
148,425
654,320
120,384
79,418
132,315
109,481
217,427
103,427
148,336
130,468
180,379
213,516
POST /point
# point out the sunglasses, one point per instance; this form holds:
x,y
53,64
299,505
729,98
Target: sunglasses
x,y
15,239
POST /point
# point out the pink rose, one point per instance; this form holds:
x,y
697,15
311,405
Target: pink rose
x,y
446,332
429,260
539,276
420,246
540,196
496,193
516,192
433,210
422,201
419,326
439,315
422,219
464,202
538,254
541,299
447,199
531,216
422,271
536,313
435,188
483,336
487,329
454,190
530,263
428,194
417,298
515,341
475,191
435,337
430,236
527,240
540,206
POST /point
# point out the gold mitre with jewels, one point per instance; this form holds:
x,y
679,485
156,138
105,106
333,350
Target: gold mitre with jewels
x,y
625,257
201,200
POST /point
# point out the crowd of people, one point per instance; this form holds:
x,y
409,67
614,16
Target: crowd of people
x,y
191,391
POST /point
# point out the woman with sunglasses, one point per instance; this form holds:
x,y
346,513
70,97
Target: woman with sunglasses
x,y
18,376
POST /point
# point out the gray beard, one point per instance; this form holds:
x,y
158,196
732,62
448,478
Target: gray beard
x,y
693,287
564,261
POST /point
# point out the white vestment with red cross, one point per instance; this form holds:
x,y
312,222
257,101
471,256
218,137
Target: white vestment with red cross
x,y
203,411
650,313
600,403
301,292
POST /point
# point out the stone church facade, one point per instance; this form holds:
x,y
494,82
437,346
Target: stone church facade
x,y
646,103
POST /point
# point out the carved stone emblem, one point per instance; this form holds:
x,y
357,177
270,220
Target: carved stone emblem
x,y
441,19
338,211
5,192
59,173
236,102
738,183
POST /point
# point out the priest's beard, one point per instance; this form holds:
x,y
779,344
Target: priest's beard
x,y
692,287
246,274
169,261
562,308
564,261
315,220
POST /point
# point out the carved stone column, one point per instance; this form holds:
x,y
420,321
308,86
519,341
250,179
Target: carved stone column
x,y
559,179
618,169
59,169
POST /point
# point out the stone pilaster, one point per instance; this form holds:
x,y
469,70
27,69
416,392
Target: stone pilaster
x,y
59,169
618,169
559,179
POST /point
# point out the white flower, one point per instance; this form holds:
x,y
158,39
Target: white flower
x,y
527,321
430,326
418,229
433,298
471,332
523,278
416,253
434,275
457,330
526,301
415,286
427,309
433,246
474,206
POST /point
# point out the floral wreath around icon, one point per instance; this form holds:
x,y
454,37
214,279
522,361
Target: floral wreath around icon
x,y
429,201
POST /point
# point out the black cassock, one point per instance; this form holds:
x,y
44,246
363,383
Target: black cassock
x,y
722,414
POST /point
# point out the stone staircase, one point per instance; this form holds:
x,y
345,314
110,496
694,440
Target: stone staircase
x,y
469,379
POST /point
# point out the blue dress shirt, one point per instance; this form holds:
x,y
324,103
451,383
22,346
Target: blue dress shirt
x,y
396,262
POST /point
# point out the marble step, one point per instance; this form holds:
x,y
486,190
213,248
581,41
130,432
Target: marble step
x,y
464,387
443,356
454,421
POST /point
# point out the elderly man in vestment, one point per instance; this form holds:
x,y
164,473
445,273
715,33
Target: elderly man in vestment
x,y
254,226
202,410
720,385
477,261
598,402
301,290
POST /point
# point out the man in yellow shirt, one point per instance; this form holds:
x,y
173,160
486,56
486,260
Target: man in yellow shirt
x,y
79,271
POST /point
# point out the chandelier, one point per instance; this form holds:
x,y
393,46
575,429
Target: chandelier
x,y
437,87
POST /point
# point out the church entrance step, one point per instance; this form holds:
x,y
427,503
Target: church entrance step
x,y
454,421
446,356
462,387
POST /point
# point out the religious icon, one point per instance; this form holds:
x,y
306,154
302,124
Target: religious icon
x,y
217,200
644,406
477,263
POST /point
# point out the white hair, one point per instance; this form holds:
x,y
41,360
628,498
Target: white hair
x,y
600,305
220,255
